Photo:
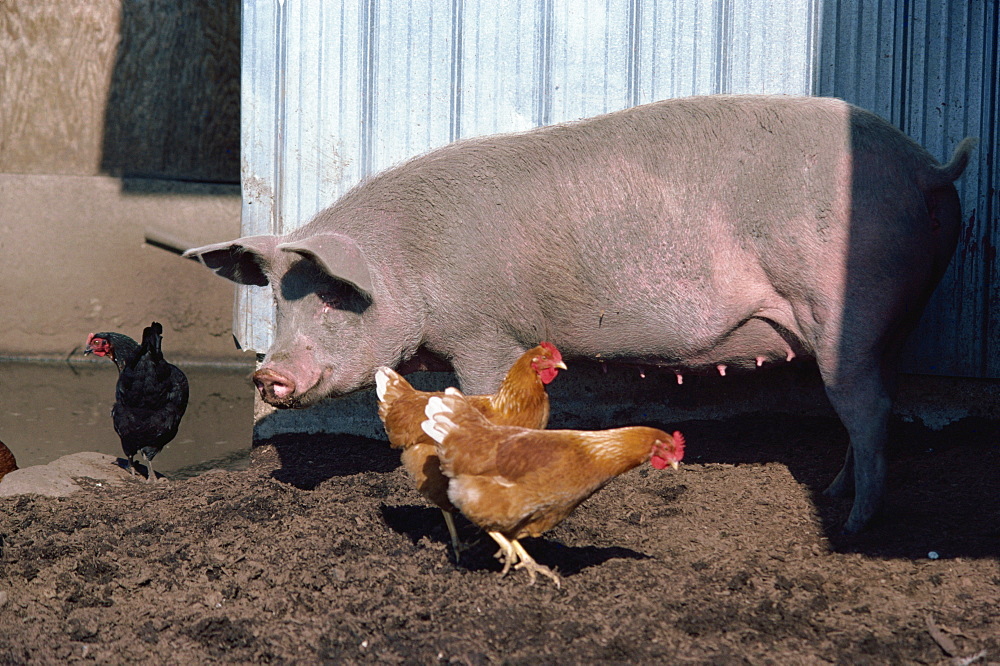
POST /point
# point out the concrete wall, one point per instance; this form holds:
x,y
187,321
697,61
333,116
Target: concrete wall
x,y
116,118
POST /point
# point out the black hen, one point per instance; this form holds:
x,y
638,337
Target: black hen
x,y
151,395
117,346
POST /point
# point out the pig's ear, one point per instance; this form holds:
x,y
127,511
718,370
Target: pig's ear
x,y
244,260
338,256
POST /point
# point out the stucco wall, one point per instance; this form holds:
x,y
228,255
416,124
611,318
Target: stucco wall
x,y
116,118
74,262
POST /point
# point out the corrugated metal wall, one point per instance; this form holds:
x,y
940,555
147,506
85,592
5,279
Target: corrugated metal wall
x,y
335,91
933,69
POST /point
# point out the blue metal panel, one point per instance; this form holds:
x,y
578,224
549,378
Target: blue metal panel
x,y
943,104
860,43
932,69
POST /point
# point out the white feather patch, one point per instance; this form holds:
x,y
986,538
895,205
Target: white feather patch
x,y
435,405
461,494
381,381
438,427
432,430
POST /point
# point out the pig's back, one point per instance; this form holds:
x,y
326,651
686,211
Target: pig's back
x,y
664,174
703,207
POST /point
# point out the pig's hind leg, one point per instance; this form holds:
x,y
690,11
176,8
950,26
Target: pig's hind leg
x,y
889,278
863,403
859,374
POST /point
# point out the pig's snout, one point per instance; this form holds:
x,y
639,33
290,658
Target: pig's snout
x,y
275,388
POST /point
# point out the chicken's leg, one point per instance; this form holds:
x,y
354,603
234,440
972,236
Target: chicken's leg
x,y
506,553
150,474
514,554
456,543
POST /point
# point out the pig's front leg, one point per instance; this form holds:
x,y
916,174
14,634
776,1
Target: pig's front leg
x,y
482,367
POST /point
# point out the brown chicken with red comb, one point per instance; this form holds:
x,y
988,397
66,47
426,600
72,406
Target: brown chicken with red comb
x,y
518,482
521,400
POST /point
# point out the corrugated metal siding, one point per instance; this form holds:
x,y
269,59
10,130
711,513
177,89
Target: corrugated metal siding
x,y
366,84
932,69
260,108
333,92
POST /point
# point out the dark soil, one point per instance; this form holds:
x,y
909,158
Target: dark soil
x,y
323,553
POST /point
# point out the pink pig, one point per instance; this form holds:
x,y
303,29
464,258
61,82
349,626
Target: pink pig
x,y
704,233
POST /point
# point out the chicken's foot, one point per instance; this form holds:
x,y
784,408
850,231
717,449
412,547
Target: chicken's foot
x,y
514,554
528,562
507,553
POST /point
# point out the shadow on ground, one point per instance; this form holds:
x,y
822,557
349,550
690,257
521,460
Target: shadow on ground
x,y
307,460
479,550
941,483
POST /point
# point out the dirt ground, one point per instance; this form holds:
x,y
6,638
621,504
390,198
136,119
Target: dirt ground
x,y
323,553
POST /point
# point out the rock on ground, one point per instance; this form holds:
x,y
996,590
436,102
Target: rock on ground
x,y
64,476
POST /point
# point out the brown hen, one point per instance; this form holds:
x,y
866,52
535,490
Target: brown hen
x,y
521,400
516,482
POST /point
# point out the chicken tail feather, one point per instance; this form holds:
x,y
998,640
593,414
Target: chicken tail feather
x,y
389,387
383,375
445,414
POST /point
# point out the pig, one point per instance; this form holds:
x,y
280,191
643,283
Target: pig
x,y
696,234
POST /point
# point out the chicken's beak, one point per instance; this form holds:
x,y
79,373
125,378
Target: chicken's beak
x,y
675,465
561,366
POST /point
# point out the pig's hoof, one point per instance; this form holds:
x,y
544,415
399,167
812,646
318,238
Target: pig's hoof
x,y
840,488
851,529
860,520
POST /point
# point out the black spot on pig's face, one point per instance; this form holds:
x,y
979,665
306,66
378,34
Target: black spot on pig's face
x,y
304,279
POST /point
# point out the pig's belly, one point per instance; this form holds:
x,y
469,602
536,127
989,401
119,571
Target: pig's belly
x,y
752,343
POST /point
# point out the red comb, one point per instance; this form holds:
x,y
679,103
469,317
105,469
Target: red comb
x,y
551,348
673,456
679,444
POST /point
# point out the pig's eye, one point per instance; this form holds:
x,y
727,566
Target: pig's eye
x,y
305,280
341,296
331,299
